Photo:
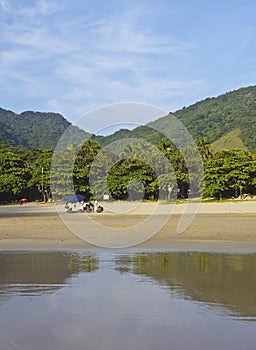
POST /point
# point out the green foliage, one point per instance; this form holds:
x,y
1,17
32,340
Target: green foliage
x,y
98,173
130,178
82,166
13,175
214,117
62,172
40,174
204,149
36,129
140,133
139,170
230,174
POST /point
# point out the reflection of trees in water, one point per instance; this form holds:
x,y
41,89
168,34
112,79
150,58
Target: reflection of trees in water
x,y
227,280
40,272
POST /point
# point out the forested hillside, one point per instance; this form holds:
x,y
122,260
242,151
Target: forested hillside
x,y
214,118
34,129
217,118
223,128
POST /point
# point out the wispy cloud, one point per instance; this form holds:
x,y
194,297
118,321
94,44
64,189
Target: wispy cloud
x,y
38,8
73,64
4,5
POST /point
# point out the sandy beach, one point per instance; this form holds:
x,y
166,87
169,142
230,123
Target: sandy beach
x,y
41,226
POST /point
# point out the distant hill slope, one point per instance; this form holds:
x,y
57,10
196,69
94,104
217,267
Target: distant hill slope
x,y
34,129
231,140
216,118
228,121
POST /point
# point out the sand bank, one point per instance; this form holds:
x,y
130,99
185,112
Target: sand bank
x,y
40,226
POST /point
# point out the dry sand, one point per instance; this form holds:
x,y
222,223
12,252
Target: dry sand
x,y
38,226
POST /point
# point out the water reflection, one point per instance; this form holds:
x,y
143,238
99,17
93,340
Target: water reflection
x,y
227,280
215,279
112,300
41,272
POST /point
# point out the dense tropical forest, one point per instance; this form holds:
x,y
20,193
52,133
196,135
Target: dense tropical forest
x,y
93,173
228,120
35,129
152,168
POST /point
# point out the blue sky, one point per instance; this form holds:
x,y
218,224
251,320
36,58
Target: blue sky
x,y
75,56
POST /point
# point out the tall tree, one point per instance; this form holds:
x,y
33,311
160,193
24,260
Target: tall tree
x,y
40,174
82,165
229,174
14,175
204,149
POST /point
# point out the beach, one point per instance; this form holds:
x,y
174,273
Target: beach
x,y
41,226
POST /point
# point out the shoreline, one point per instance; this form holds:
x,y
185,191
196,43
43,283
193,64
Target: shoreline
x,y
225,225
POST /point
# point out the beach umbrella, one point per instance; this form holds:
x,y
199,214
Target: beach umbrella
x,y
74,198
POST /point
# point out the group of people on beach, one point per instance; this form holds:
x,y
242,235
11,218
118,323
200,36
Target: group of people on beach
x,y
88,207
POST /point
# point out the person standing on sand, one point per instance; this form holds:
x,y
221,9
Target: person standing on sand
x,y
91,206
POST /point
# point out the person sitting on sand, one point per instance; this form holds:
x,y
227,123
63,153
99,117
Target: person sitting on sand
x,y
87,207
68,208
99,208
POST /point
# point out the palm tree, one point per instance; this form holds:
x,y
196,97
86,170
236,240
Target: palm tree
x,y
204,149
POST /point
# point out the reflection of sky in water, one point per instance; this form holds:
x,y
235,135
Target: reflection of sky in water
x,y
95,306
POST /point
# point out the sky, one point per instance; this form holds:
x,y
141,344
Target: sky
x,y
74,57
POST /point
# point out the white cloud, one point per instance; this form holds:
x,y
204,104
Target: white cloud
x,y
128,33
5,5
77,63
39,8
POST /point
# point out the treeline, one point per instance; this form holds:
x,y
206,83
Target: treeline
x,y
135,171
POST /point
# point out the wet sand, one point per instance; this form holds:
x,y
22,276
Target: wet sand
x,y
222,225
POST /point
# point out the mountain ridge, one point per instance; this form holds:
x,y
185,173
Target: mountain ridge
x,y
215,118
32,129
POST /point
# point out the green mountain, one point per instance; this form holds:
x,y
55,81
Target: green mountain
x,y
227,121
35,129
216,117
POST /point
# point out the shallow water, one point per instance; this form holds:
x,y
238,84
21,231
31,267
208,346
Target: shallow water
x,y
127,300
